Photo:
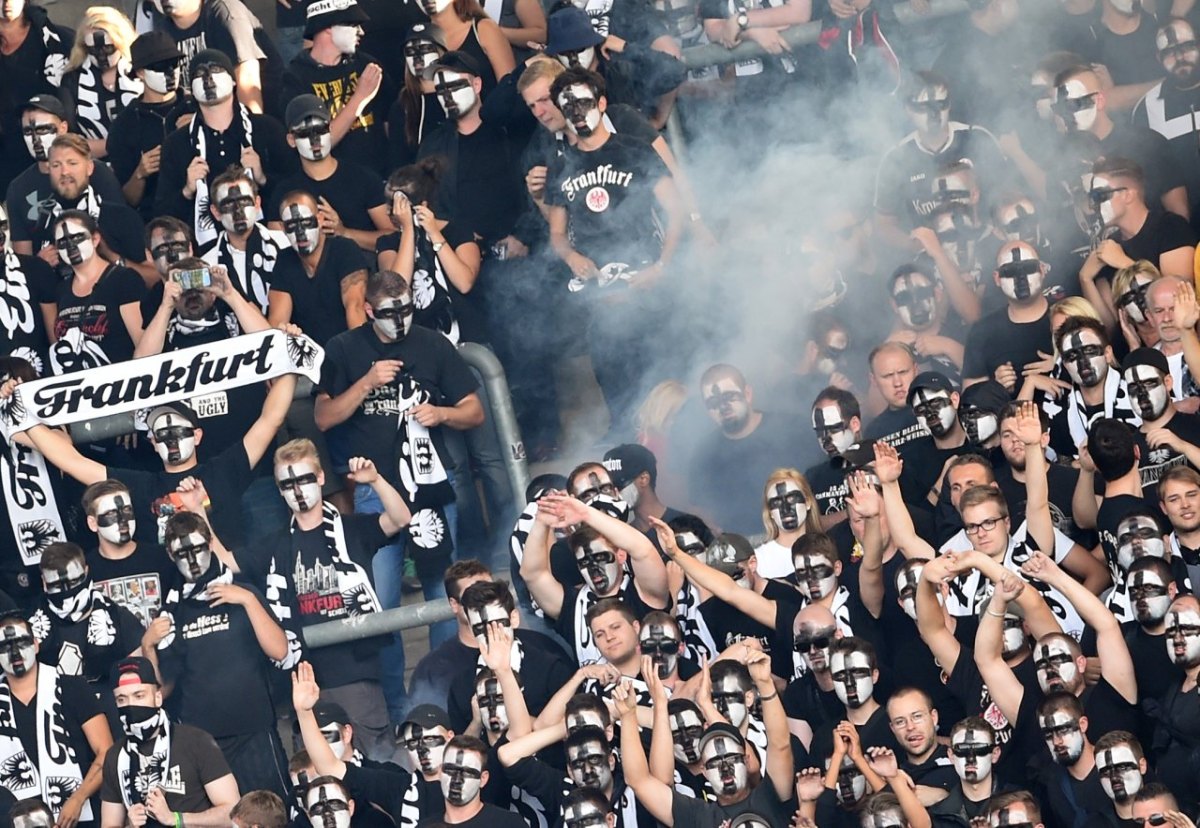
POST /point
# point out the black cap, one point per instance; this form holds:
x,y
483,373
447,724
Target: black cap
x,y
304,106
151,48
550,481
133,670
427,716
722,729
570,30
459,62
426,31
930,381
321,14
179,407
727,551
1147,356
327,713
627,461
988,395
211,57
46,103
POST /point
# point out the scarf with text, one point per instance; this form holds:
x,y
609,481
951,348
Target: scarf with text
x,y
93,120
202,219
139,773
262,251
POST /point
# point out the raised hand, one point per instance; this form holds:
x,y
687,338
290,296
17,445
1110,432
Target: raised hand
x,y
305,690
888,464
883,761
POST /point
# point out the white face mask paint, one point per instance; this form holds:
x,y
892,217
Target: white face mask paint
x,y
660,642
1147,391
816,577
237,207
39,133
114,518
598,564
1062,735
587,765
298,483
1055,665
787,506
833,432
686,729
971,752
930,109
425,747
492,709
34,819
480,620
908,581
333,736
462,776
916,301
1125,7
161,82
1138,536
455,93
1083,355
1183,637
1012,815
302,228
17,654
393,317
212,85
1075,105
580,109
1021,273
174,439
313,139
1014,637
1119,772
729,697
1101,193
851,784
935,411
583,58
420,54
433,7
345,38
724,765
584,718
327,807
584,815
74,243
1149,597
192,555
852,678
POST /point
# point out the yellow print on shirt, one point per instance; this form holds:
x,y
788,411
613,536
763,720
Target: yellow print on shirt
x,y
336,94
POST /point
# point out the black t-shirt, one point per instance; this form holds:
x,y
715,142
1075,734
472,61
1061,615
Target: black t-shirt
x,y
1150,150
140,128
763,800
317,299
79,706
828,481
89,648
729,625
352,191
610,202
1106,709
479,187
1131,58
29,196
1155,462
1151,664
544,670
995,339
1109,516
1168,110
576,632
23,290
139,582
407,797
195,762
1162,233
491,817
36,67
90,329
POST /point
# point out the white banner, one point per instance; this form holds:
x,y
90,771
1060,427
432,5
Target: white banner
x,y
150,381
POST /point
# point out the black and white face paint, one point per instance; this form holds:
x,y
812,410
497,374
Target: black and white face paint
x,y
686,729
930,109
192,555
833,432
169,250
1119,772
426,747
587,765
1183,637
831,352
39,133
1021,273
73,242
1055,665
724,765
1075,105
1133,301
580,108
598,564
327,807
481,618
455,93
689,543
728,404
729,697
433,7
162,77
492,710
17,654
979,424
916,302
887,818
297,482
1149,596
1014,637
1019,222
1178,51
174,439
393,317
1100,196
1014,816
787,506
211,85
40,818
815,576
660,642
313,138
584,718
462,776
420,54
100,48
1084,358
1147,391
66,582
812,643
584,815
345,38
302,228
114,518
852,678
1137,537
851,784
588,487
236,207
1125,7
908,581
958,231
3,228
1062,735
971,752
333,737
934,410
581,59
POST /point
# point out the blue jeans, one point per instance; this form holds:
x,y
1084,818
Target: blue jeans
x,y
289,40
387,569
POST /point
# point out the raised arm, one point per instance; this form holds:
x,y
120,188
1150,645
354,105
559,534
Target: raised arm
x,y
888,467
56,446
779,766
1038,521
654,795
396,514
866,503
261,434
931,620
1085,503
556,709
529,744
154,336
1004,686
305,693
662,745
535,566
649,572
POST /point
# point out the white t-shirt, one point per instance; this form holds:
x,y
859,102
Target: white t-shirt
x,y
774,560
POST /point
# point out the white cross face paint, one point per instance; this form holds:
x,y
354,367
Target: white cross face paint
x,y
729,697
1138,536
1014,638
236,207
394,316
852,679
174,439
17,654
584,718
1021,273
832,352
40,818
579,106
426,747
333,736
455,93
462,776
1124,6
100,48
686,729
916,302
1075,105
39,133
1178,51
930,109
433,7
302,228
297,482
168,249
660,642
787,506
724,765
492,710
584,815
1084,357
582,58
114,518
480,619
979,424
887,818
1147,391
815,576
833,432
1119,772
211,85
73,242
971,752
327,807
908,580
957,230
1055,664
1062,735
934,411
1183,637
313,138
192,555
597,563
689,544
851,784
587,764
1149,596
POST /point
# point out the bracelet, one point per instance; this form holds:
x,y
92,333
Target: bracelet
x,y
994,614
774,695
178,820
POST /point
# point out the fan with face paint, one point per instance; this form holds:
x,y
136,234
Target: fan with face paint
x,y
934,409
1064,739
660,641
421,50
1013,816
812,642
729,554
851,786
174,438
1018,221
1139,535
115,521
1085,356
687,726
1076,104
908,581
787,506
1101,195
313,138
588,761
585,717
39,130
168,248
455,93
462,776
298,483
74,243
393,317
33,814
1178,52
584,813
816,575
1054,662
1120,772
929,109
237,207
599,565
729,689
327,806
853,677
1015,639
1133,301
1149,594
426,746
1019,272
971,752
100,48
914,295
833,432
723,756
192,554
18,654
212,85
489,696
162,76
1183,633
958,231
68,587
1147,387
580,108
879,815
301,226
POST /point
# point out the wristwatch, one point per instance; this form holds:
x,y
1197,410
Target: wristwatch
x,y
437,246
742,17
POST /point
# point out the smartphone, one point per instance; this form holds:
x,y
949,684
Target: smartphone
x,y
199,277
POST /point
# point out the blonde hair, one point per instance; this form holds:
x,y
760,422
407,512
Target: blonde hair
x,y
293,451
115,24
543,68
658,410
812,521
1125,279
1073,307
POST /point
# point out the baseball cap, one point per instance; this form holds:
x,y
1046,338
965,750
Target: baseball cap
x,y
133,670
427,716
304,106
722,729
151,48
181,408
625,462
211,57
988,395
46,103
325,13
727,551
426,31
570,30
930,381
459,62
327,713
1147,356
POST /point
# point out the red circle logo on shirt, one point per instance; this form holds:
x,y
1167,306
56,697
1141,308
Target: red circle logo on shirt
x,y
597,199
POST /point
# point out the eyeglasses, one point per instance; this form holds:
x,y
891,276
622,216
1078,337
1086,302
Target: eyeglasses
x,y
310,132
984,525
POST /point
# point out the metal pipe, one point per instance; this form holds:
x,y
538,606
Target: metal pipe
x,y
390,621
714,54
503,415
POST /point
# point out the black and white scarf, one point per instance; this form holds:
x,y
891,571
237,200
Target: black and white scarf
x,y
431,291
697,638
516,545
1116,405
54,67
205,226
424,482
93,120
18,311
262,251
57,774
50,209
33,515
139,773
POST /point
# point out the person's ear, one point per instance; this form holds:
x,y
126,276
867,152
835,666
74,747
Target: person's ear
x,y
637,627
996,758
955,399
158,697
92,524
291,139
1168,383
350,803
514,618
1142,767
856,424
1172,589
483,779
602,104
321,478
1045,440
996,277
198,435
642,481
1083,725
477,84
748,393
837,569
62,127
